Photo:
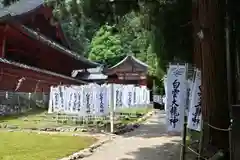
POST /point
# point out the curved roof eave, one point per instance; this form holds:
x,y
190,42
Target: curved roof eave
x,y
132,58
139,62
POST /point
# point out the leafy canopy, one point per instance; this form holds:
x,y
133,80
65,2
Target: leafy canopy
x,y
112,43
106,46
167,20
156,31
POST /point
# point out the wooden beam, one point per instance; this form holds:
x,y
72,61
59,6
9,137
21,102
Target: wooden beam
x,y
3,46
4,39
11,74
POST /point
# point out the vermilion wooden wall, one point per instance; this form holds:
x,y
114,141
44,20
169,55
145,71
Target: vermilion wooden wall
x,y
48,58
12,40
9,76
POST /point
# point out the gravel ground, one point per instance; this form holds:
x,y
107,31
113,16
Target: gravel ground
x,y
149,142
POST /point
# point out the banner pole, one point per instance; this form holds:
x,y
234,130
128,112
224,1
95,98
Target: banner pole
x,y
112,109
183,149
200,146
184,133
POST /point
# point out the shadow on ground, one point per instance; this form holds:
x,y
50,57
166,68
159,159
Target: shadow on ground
x,y
31,112
152,129
168,147
167,151
148,142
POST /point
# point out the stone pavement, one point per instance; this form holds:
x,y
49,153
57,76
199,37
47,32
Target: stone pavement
x,y
148,142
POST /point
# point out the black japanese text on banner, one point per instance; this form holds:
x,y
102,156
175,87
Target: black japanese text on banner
x,y
195,114
94,99
176,94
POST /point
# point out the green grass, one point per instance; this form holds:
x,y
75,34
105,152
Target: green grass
x,y
33,119
131,112
33,146
192,136
136,110
127,121
41,119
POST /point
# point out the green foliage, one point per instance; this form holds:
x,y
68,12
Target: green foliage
x,y
156,31
100,11
111,44
80,36
8,2
169,23
136,40
106,46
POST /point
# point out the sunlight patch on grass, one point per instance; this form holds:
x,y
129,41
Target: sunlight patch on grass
x,y
133,114
36,118
136,110
34,146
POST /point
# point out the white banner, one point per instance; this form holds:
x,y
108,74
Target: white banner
x,y
50,105
103,97
78,99
88,101
125,97
56,98
195,114
176,93
188,95
117,96
165,88
94,99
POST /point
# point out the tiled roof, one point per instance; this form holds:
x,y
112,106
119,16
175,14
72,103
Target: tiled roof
x,y
21,7
25,6
90,74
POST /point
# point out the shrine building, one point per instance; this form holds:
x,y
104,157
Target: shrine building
x,y
128,71
35,52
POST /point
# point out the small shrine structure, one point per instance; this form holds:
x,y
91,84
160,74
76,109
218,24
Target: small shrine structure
x,y
91,75
128,71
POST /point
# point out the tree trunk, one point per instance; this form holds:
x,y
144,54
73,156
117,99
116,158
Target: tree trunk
x,y
214,73
197,57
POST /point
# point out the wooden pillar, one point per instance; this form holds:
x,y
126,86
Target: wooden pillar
x,y
3,42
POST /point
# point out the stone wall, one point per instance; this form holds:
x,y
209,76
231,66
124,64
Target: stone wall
x,y
12,103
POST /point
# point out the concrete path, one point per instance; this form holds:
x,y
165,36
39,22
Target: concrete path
x,y
149,142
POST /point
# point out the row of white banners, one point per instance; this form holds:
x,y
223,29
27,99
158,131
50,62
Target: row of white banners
x,y
95,100
183,97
